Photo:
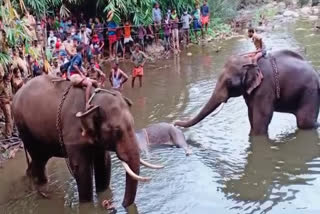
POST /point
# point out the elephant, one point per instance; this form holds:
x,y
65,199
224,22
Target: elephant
x,y
86,137
159,134
282,81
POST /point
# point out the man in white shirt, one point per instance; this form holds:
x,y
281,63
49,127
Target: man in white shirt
x,y
52,38
85,35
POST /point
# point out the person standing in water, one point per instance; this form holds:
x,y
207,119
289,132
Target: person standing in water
x,y
138,57
259,44
117,77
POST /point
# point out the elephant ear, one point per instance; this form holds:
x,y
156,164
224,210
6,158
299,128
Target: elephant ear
x,y
88,122
252,78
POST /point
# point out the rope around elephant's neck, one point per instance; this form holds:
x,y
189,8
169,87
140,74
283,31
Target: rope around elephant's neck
x,y
59,127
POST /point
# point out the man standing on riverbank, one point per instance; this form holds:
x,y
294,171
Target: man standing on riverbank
x,y
186,20
5,100
112,29
157,18
205,13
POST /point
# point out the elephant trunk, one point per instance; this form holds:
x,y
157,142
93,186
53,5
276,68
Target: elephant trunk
x,y
211,106
128,153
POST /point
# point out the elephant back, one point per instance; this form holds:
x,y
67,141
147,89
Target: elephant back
x,y
35,107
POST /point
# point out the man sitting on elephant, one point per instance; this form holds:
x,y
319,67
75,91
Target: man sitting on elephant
x,y
259,44
161,133
77,76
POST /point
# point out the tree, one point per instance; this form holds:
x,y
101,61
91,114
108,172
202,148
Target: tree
x,y
13,30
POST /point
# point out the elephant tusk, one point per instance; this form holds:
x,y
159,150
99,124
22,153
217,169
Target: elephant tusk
x,y
218,110
152,166
134,175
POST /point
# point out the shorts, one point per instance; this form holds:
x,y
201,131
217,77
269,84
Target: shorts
x,y
127,40
96,51
196,25
204,20
137,71
157,26
175,34
76,79
112,39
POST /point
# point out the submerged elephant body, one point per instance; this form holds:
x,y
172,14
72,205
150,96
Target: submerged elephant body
x,y
297,82
159,134
87,138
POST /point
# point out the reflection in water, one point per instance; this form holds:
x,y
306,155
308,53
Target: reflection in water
x,y
272,165
228,172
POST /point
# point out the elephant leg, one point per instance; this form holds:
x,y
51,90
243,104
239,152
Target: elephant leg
x,y
39,158
37,170
102,170
81,165
308,113
260,116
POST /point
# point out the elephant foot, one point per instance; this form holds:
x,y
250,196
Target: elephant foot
x,y
258,133
101,187
36,171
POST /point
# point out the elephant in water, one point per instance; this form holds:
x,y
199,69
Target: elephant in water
x,y
282,82
161,133
51,126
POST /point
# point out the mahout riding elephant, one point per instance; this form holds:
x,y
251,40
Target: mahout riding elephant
x,y
83,138
282,82
161,134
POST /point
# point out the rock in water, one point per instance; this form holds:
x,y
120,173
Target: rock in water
x,y
289,13
189,54
306,11
313,18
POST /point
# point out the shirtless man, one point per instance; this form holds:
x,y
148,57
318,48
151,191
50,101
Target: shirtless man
x,y
76,75
117,77
259,44
139,58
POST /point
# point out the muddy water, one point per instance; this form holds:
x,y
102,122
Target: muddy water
x,y
228,171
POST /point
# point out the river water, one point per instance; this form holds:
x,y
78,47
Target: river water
x,y
228,172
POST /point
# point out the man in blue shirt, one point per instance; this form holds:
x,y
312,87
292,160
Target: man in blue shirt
x,y
205,14
76,75
112,36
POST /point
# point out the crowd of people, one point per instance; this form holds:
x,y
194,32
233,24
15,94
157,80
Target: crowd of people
x,y
72,48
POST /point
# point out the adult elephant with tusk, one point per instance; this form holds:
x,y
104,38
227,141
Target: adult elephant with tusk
x,y
281,82
49,119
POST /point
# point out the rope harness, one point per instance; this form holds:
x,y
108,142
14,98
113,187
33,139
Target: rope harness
x,y
276,75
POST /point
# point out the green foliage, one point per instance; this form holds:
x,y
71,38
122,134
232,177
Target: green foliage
x,y
44,7
224,9
303,2
13,30
140,12
263,14
5,59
